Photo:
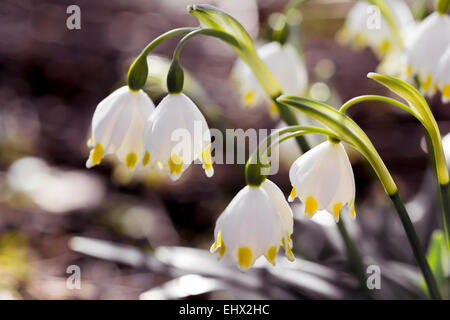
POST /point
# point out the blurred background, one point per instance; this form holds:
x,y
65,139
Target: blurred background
x,y
144,236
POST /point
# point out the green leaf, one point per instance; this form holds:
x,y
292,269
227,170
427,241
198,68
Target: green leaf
x,y
439,260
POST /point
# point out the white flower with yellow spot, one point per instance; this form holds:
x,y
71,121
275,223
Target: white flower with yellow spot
x,y
284,63
118,126
256,223
176,134
425,47
443,76
366,27
322,179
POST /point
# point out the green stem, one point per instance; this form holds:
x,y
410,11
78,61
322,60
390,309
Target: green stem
x,y
208,32
356,262
138,71
288,116
169,34
369,97
442,187
416,246
445,204
442,190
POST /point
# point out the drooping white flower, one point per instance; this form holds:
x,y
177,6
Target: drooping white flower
x,y
256,222
284,63
322,179
425,47
443,76
118,126
176,134
365,26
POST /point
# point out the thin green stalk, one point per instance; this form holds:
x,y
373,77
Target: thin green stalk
x,y
290,118
442,187
445,204
356,262
416,246
443,190
169,34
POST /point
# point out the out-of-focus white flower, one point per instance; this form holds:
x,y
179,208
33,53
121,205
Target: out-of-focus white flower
x,y
425,47
256,222
322,179
443,75
365,26
176,134
285,64
118,126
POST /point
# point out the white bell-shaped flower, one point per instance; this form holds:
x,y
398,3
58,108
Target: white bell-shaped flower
x,y
443,76
365,26
284,63
176,134
118,126
256,223
322,179
425,47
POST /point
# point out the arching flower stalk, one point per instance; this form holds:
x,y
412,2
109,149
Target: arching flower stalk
x,y
348,131
417,107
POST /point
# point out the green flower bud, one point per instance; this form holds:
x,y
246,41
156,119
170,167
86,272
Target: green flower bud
x,y
442,6
175,77
256,171
137,75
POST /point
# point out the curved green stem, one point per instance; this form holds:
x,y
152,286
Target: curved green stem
x,y
355,261
138,71
169,34
204,31
417,248
363,98
349,131
434,143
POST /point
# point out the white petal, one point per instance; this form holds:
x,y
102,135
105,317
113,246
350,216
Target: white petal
x,y
250,223
178,128
425,46
281,204
316,174
117,125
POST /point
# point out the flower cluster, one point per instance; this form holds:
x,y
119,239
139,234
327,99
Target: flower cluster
x,y
127,124
259,219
